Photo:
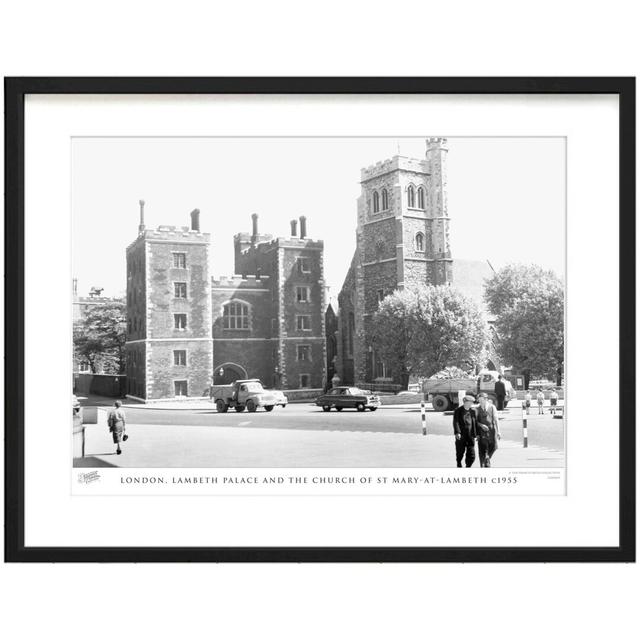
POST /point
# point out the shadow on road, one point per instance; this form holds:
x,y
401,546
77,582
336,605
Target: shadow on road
x,y
91,461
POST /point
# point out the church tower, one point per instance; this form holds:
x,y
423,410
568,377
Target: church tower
x,y
402,241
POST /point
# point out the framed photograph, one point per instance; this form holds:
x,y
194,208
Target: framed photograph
x,y
320,319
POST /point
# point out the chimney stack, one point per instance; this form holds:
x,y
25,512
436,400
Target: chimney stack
x,y
303,227
294,228
254,231
75,286
141,226
195,220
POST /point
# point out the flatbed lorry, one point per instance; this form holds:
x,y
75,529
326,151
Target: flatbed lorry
x,y
443,393
246,394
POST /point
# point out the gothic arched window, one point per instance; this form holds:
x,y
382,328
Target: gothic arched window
x,y
420,198
411,196
376,202
235,315
419,242
385,200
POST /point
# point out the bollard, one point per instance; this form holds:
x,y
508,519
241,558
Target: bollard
x,y
423,416
525,439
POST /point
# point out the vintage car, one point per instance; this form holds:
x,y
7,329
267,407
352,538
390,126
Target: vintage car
x,y
349,397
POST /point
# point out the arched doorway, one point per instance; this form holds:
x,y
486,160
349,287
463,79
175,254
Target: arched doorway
x,y
228,372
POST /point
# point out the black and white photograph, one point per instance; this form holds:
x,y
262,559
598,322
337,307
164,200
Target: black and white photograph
x,y
359,317
327,302
343,299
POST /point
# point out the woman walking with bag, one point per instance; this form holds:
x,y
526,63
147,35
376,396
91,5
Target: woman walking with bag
x,y
116,421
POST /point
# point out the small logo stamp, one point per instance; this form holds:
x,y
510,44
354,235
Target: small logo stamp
x,y
88,477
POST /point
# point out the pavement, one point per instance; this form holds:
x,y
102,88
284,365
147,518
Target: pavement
x,y
408,400
204,403
254,440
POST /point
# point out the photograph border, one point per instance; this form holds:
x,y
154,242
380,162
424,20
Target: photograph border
x,y
15,91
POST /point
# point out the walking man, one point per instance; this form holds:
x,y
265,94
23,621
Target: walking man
x,y
527,401
464,429
116,421
540,399
488,429
500,390
553,398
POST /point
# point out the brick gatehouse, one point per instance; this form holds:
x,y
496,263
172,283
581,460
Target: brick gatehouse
x,y
186,330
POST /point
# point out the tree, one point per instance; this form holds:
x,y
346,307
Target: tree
x,y
528,302
99,338
425,329
394,325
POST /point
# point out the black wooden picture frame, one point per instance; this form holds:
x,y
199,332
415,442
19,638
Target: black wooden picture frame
x,y
15,91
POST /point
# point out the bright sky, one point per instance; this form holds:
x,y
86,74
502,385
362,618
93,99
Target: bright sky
x,y
506,196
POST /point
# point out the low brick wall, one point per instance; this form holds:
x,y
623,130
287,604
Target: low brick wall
x,y
380,387
97,384
404,398
302,395
309,395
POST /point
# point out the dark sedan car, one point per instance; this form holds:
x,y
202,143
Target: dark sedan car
x,y
349,397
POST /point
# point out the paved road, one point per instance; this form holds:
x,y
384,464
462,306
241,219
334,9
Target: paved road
x,y
302,437
544,431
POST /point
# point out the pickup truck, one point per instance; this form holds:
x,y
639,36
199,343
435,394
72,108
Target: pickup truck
x,y
246,394
443,393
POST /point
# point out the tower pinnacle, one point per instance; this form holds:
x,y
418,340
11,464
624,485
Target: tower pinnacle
x,y
141,226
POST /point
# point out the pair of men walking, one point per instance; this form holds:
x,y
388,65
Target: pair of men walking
x,y
479,424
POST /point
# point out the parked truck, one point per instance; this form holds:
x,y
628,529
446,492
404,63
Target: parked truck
x,y
443,393
246,394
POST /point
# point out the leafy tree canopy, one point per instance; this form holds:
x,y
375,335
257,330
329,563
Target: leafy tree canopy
x,y
515,283
528,303
99,337
425,329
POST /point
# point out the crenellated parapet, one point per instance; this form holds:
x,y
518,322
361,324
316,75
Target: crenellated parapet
x,y
402,163
237,282
170,233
